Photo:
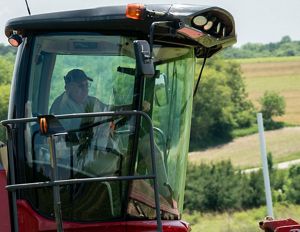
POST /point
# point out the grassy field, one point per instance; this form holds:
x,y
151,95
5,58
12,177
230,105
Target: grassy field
x,y
281,75
245,221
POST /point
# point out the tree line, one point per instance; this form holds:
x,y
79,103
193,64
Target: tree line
x,y
285,47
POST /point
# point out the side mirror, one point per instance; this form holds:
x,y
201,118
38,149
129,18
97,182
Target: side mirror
x,y
144,61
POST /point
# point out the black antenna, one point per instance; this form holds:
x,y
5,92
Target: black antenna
x,y
27,7
200,74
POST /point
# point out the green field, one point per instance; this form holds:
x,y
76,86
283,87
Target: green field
x,y
243,221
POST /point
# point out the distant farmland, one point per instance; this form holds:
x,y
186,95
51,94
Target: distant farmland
x,y
275,74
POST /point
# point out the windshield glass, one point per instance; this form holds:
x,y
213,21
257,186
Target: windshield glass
x,y
71,74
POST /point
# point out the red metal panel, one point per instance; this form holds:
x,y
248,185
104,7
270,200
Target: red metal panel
x,y
295,228
30,221
4,209
281,225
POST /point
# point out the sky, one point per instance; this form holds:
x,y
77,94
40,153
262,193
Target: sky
x,y
257,21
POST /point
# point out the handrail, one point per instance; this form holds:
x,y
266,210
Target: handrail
x,y
14,187
75,181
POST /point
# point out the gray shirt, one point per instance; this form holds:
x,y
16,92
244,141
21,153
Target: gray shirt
x,y
100,135
65,105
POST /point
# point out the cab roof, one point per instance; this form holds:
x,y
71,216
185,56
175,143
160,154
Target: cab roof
x,y
113,19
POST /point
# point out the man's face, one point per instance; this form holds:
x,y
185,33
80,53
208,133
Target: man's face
x,y
78,91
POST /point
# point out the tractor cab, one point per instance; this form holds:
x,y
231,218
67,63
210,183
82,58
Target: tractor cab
x,y
100,114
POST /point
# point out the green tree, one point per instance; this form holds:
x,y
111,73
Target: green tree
x,y
255,196
286,39
293,192
212,119
6,70
220,105
243,108
272,104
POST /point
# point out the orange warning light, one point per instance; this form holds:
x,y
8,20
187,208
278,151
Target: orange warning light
x,y
15,40
135,11
43,125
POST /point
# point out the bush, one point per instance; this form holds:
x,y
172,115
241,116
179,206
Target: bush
x,y
218,187
293,191
272,104
255,195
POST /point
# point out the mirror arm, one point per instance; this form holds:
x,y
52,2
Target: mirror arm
x,y
172,24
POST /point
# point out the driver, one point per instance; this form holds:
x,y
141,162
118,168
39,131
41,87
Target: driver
x,y
75,98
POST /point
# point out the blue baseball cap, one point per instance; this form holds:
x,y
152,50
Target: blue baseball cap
x,y
76,75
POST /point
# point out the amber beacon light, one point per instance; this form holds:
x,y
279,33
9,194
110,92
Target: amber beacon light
x,y
43,125
135,11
